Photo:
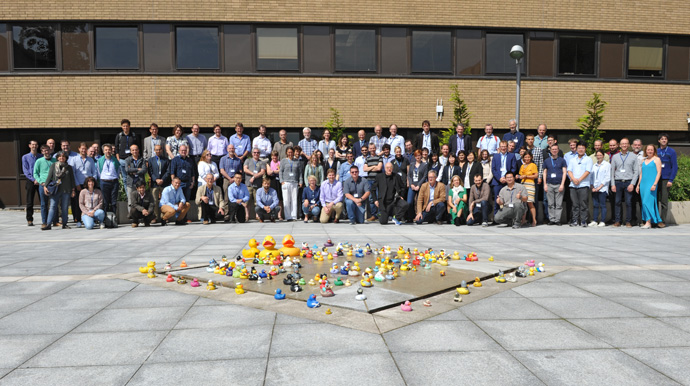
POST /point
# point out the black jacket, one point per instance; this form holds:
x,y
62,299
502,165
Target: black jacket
x,y
419,141
453,143
146,203
382,187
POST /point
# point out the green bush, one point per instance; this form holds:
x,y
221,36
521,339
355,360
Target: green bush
x,y
680,190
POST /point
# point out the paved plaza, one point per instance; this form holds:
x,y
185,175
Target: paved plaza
x,y
613,308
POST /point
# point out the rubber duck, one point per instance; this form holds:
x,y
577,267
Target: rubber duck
x,y
210,286
521,271
511,277
239,289
259,281
348,283
263,274
312,303
501,277
326,291
252,250
379,277
335,269
328,311
194,283
366,282
236,273
443,273
244,274
149,265
359,254
442,262
183,264
456,255
269,251
353,273
491,258
302,281
329,256
349,253
531,271
427,303
529,263
169,278
463,290
273,271
328,243
472,256
338,282
318,257
211,265
151,274
311,282
427,265
368,248
168,267
288,280
404,267
216,270
414,268
477,282
360,295
407,307
253,277
389,276
416,261
457,297
295,288
181,280
279,295
355,267
541,268
289,248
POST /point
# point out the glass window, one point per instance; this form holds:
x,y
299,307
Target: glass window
x,y
157,47
197,48
541,46
394,50
277,49
611,55
75,47
355,50
498,60
316,49
576,55
645,57
431,51
4,66
678,58
34,46
238,47
117,48
469,52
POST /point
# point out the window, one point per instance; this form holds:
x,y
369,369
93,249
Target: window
x,y
678,58
394,49
498,60
197,48
355,50
75,47
238,47
34,46
541,53
277,49
431,51
645,57
469,52
316,49
157,47
611,55
4,66
576,55
117,48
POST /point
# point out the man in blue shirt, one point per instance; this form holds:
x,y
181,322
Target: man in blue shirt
x,y
308,144
241,142
579,169
669,169
514,136
344,169
267,202
174,204
28,161
501,163
83,166
159,171
238,196
108,175
183,168
554,174
229,165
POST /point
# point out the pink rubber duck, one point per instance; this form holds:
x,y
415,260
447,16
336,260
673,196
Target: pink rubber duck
x,y
169,278
529,263
195,283
407,307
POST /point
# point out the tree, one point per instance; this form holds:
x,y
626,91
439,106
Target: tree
x,y
590,122
461,114
335,125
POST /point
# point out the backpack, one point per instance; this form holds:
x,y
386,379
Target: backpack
x,y
110,220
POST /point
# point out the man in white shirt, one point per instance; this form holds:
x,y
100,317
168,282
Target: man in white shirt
x,y
263,144
395,140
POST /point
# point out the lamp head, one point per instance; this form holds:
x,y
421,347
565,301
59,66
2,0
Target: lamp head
x,y
517,52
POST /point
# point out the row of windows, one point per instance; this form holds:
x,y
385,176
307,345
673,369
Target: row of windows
x,y
324,49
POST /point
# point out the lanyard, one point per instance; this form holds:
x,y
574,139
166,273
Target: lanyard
x,y
91,199
488,141
662,155
108,168
83,163
580,160
552,164
596,174
511,195
626,157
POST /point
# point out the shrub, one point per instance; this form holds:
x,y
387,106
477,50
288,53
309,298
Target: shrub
x,y
590,122
680,190
461,113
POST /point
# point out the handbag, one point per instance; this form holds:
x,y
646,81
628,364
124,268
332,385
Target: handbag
x,y
52,187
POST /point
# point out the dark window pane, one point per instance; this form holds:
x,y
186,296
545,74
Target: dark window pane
x,y
157,47
355,50
469,52
645,57
238,48
75,47
197,48
4,65
277,49
317,49
117,48
394,51
678,66
576,55
431,51
34,46
498,60
611,56
541,54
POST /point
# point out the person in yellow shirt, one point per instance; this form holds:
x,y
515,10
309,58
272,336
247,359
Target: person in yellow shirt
x,y
528,174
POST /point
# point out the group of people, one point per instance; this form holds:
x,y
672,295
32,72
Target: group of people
x,y
381,178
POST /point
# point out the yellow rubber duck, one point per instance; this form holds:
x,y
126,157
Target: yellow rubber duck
x,y
269,245
491,258
253,250
477,282
404,267
288,248
456,255
151,274
330,256
443,262
462,290
239,289
244,274
355,267
210,286
150,265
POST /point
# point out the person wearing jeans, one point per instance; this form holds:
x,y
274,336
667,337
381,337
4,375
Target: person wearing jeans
x,y
40,172
601,178
357,192
310,200
624,175
579,169
109,171
554,174
91,204
431,201
479,202
62,174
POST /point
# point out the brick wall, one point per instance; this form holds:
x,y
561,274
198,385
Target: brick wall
x,y
101,101
657,16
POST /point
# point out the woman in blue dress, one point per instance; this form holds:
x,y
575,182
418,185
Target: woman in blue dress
x,y
650,172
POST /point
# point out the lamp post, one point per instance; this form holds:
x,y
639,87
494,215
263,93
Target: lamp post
x,y
517,53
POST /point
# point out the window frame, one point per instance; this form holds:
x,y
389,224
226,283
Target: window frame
x,y
255,44
221,52
525,48
377,48
410,50
664,50
597,40
58,47
140,47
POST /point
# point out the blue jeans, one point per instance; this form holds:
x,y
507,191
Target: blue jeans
x,y
355,213
314,213
186,190
373,210
45,204
88,220
622,190
479,215
435,214
496,189
63,200
110,190
599,199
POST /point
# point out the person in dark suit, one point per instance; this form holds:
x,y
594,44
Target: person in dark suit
x,y
471,169
501,163
141,206
460,141
389,195
159,171
357,145
427,139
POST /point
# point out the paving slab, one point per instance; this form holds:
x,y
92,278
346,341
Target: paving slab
x,y
100,286
323,340
506,309
550,290
20,348
133,319
657,306
586,308
539,335
634,332
671,362
70,376
215,372
673,288
75,301
35,288
643,276
136,299
609,290
432,336
43,322
225,315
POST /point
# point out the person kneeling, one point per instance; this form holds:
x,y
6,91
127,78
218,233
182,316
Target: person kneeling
x,y
511,201
479,202
91,204
331,196
267,202
431,201
389,195
209,197
142,206
173,204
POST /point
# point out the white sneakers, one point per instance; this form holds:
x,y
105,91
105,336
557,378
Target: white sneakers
x,y
593,224
596,224
602,224
102,226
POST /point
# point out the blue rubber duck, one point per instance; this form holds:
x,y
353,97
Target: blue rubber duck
x,y
263,274
312,303
279,295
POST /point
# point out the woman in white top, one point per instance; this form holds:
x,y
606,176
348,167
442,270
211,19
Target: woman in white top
x,y
206,166
326,143
600,180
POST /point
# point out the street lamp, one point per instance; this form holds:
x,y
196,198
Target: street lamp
x,y
517,53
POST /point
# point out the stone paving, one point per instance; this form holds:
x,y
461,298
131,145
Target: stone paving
x,y
613,308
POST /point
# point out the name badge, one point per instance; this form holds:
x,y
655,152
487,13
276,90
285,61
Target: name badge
x,y
479,205
510,205
127,151
553,175
232,171
663,165
313,201
515,140
292,174
184,171
256,170
622,170
400,174
356,195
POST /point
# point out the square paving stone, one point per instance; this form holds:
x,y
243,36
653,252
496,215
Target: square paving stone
x,y
586,308
100,286
585,276
73,301
589,367
213,344
379,369
19,348
634,332
154,299
455,314
472,367
11,303
70,376
226,372
439,336
642,275
289,319
609,290
539,335
506,308
672,362
681,322
35,287
99,349
673,288
550,290
658,306
226,315
43,322
323,339
133,319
